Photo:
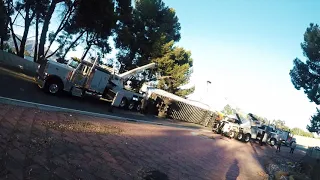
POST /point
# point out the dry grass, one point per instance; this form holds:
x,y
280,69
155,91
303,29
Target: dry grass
x,y
83,126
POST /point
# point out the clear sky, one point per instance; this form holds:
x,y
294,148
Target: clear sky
x,y
246,49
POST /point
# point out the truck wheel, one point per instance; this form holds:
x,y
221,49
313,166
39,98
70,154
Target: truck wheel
x,y
247,138
240,137
138,108
131,105
232,134
53,86
273,142
123,103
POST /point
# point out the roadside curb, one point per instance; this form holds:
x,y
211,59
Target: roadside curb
x,y
45,107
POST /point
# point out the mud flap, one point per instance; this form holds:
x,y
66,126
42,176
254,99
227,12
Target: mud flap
x,y
117,99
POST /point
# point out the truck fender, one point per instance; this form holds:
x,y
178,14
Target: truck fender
x,y
54,78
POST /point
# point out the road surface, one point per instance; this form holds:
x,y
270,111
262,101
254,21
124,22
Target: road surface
x,y
21,87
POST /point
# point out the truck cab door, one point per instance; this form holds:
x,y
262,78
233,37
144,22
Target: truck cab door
x,y
80,75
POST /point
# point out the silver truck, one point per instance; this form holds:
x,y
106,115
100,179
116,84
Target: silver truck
x,y
86,78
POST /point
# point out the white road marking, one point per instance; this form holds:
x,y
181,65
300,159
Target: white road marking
x,y
46,107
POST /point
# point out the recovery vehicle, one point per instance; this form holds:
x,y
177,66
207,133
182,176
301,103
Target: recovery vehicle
x,y
86,78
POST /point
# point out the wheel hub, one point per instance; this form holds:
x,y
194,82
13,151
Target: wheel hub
x,y
131,106
53,88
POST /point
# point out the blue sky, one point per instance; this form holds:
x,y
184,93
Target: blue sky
x,y
246,49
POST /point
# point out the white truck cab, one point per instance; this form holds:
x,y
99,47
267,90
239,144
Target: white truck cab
x,y
75,77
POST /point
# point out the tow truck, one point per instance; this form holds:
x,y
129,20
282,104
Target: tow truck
x,y
84,78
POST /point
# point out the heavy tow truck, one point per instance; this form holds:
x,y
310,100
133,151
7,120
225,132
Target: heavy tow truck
x,y
244,130
85,78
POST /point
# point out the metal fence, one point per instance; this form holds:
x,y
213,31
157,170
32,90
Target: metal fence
x,y
190,113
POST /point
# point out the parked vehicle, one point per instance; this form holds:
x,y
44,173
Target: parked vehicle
x,y
86,78
285,136
241,128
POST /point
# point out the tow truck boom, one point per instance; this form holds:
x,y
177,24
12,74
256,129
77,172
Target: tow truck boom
x,y
137,70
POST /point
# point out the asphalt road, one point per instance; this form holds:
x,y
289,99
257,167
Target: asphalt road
x,y
18,86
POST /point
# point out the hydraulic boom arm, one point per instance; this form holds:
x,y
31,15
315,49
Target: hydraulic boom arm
x,y
127,74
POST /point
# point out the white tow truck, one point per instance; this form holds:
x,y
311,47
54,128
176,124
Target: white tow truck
x,y
86,78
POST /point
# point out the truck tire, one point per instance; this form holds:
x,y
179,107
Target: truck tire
x,y
53,86
131,105
240,137
247,138
273,141
232,134
123,104
138,108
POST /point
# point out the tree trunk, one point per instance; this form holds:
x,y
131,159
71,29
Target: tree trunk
x,y
1,44
71,45
47,57
45,28
35,55
85,53
24,38
27,24
13,35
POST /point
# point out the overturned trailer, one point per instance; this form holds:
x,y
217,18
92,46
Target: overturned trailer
x,y
174,107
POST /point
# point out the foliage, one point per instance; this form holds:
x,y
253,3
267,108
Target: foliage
x,y
175,63
185,92
228,110
300,132
305,75
93,22
315,123
139,39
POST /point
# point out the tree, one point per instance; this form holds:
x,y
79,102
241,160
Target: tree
x,y
69,10
4,21
174,63
49,10
228,110
314,123
306,75
300,132
27,7
10,10
92,22
143,30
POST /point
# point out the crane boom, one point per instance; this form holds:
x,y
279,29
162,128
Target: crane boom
x,y
127,74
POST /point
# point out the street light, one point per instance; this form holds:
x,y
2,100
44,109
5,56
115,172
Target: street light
x,y
208,82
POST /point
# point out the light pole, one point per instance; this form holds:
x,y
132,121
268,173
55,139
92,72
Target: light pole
x,y
208,82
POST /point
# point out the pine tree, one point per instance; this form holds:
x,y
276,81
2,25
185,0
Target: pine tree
x,y
306,75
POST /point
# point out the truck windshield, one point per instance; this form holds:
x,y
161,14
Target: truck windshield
x,y
73,64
